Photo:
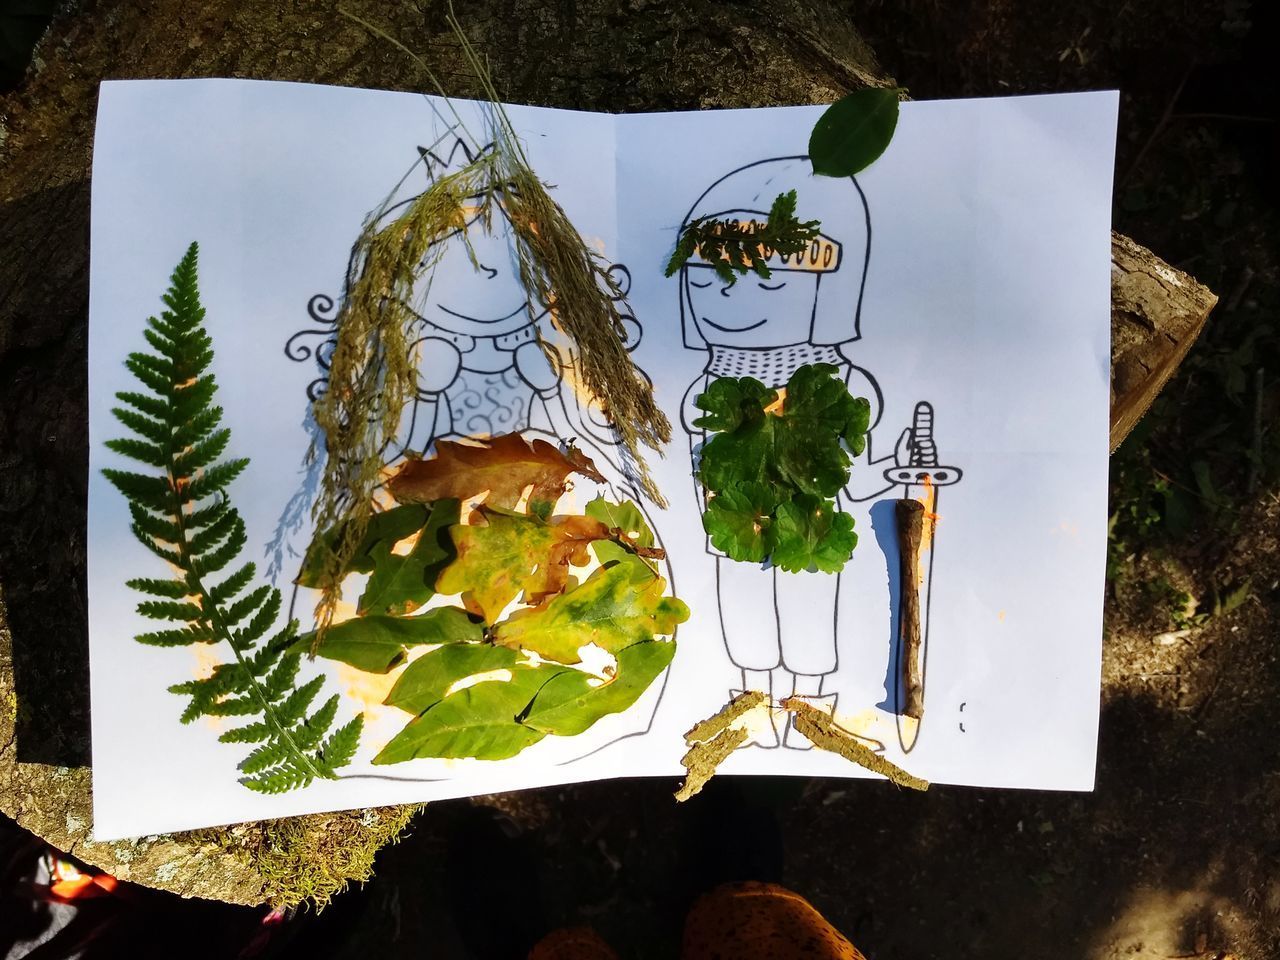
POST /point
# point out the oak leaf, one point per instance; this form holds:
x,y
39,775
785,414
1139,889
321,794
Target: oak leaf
x,y
618,605
501,555
503,466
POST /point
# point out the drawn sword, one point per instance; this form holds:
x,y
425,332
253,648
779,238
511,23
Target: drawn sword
x,y
920,479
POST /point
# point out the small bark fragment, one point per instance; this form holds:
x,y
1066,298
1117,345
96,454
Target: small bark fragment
x,y
704,758
734,710
826,734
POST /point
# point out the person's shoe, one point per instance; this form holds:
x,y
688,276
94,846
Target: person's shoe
x,y
793,739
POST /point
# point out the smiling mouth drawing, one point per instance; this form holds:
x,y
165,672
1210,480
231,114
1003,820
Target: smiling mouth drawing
x,y
463,316
751,326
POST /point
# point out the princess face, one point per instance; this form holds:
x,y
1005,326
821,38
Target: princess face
x,y
752,313
484,297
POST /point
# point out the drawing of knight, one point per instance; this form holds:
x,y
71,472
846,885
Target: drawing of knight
x,y
808,311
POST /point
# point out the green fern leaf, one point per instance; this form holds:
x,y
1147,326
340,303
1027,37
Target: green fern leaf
x,y
215,533
152,406
296,704
267,755
216,479
262,620
281,779
216,560
197,428
169,610
246,605
313,729
155,431
202,453
182,515
245,706
340,748
174,589
249,733
178,638
234,583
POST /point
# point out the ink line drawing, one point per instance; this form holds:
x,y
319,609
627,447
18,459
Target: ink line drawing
x,y
489,362
766,329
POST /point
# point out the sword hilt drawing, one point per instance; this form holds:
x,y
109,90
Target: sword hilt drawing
x,y
924,454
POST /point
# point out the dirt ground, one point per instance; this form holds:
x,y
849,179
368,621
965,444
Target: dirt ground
x,y
1177,851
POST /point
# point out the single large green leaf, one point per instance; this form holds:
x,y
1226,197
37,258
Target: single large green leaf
x,y
426,680
568,704
812,535
853,132
401,584
389,526
377,643
739,521
479,721
618,605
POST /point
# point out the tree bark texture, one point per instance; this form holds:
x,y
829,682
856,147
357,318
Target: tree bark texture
x,y
586,54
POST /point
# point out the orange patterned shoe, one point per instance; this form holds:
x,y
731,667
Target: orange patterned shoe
x,y
761,921
572,943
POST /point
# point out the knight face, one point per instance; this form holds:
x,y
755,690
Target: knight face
x,y
752,313
483,298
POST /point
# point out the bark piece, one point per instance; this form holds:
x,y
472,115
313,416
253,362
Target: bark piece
x,y
910,520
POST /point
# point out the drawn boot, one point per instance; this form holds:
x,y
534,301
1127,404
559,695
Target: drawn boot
x,y
793,739
763,734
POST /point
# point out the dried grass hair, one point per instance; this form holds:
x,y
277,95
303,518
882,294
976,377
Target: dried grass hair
x,y
372,373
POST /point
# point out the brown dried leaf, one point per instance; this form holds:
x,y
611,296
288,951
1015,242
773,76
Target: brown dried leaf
x,y
822,729
503,466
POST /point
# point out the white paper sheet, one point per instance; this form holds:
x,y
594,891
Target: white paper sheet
x,y
973,276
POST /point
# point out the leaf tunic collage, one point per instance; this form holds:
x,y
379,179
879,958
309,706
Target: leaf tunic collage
x,y
518,612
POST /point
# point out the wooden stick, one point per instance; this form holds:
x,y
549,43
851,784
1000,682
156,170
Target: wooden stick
x,y
910,517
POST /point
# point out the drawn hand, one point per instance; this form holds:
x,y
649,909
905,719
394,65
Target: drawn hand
x,y
902,452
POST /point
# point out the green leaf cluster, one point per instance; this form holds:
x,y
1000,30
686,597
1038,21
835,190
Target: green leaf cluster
x,y
182,514
732,248
492,683
771,475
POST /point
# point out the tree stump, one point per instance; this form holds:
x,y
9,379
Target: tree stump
x,y
586,54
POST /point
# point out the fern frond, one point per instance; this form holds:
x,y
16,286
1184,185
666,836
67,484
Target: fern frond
x,y
209,537
155,431
313,729
340,748
249,733
234,583
203,453
152,406
178,638
261,621
281,779
215,560
267,755
282,677
174,589
248,604
170,610
197,428
182,515
296,704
